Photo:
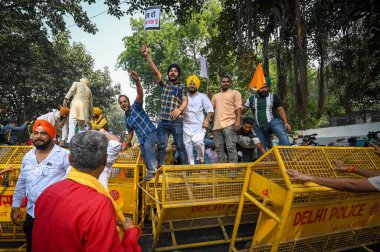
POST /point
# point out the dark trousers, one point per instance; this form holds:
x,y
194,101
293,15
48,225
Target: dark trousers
x,y
28,228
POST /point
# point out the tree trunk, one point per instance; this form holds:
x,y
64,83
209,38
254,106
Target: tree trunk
x,y
266,49
300,67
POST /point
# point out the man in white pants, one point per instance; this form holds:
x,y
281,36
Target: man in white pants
x,y
194,121
58,118
80,107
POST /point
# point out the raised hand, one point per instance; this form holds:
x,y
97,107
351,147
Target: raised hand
x,y
144,51
135,75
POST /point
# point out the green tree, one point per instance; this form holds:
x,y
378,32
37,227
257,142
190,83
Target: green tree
x,y
42,79
172,43
33,67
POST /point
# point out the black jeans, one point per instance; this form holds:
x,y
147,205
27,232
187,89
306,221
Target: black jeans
x,y
28,228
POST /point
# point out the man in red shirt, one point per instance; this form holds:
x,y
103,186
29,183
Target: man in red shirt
x,y
78,214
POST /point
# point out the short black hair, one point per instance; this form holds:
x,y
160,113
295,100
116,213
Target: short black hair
x,y
123,96
226,76
248,120
176,66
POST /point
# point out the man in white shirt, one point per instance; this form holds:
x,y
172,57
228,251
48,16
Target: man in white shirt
x,y
42,166
194,121
60,121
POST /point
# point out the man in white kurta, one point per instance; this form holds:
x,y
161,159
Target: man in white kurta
x,y
81,106
60,121
194,121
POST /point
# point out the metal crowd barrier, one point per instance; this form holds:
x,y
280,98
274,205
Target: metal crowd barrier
x,y
10,155
297,216
122,185
194,197
127,171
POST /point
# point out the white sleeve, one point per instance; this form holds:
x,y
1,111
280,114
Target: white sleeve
x,y
112,154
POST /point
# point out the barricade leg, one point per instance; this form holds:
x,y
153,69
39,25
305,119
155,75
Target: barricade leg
x,y
156,236
240,211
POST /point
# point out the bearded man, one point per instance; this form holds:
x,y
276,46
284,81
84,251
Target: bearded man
x,y
42,166
270,116
194,121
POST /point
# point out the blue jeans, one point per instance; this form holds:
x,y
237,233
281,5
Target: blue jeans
x,y
276,126
14,129
166,127
147,151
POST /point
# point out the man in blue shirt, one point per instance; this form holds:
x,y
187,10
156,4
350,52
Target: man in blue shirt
x,y
137,120
11,130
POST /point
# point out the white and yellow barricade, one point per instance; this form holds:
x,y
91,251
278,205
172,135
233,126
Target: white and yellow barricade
x,y
297,216
195,197
10,156
127,171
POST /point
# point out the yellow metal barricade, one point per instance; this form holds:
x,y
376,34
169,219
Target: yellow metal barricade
x,y
122,184
125,175
297,216
191,197
10,156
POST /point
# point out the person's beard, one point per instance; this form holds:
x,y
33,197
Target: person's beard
x,y
225,87
263,93
42,146
192,91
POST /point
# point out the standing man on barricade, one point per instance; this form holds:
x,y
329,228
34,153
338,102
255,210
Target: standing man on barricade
x,y
81,105
194,121
265,106
227,107
137,120
77,213
60,121
173,104
42,166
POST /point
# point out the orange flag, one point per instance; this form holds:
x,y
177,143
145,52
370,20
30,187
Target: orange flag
x,y
258,80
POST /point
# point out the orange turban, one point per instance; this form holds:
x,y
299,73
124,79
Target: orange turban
x,y
64,111
47,126
258,81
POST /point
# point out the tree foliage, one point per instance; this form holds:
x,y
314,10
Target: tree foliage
x,y
39,64
172,43
341,36
323,56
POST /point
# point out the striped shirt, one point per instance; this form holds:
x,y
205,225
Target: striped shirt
x,y
171,98
263,108
136,119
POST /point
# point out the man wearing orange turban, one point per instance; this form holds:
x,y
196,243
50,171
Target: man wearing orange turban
x,y
269,114
194,121
60,121
42,166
